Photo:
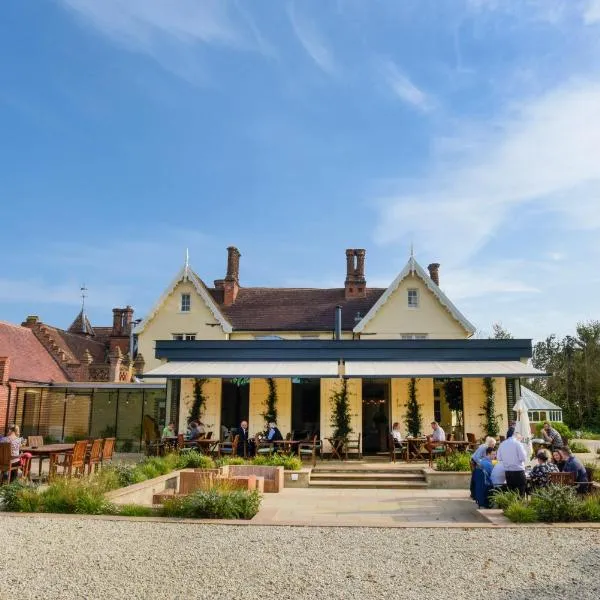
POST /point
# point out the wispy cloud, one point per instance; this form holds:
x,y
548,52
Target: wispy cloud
x,y
403,87
170,32
312,41
541,154
591,14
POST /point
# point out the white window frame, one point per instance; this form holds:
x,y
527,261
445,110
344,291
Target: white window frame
x,y
414,336
187,337
410,295
182,303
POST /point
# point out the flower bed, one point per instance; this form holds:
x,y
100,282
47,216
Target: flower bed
x,y
92,495
553,504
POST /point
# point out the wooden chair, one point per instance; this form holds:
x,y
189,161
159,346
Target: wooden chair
x,y
311,449
108,449
562,478
432,449
95,456
70,462
353,445
34,441
472,441
229,448
6,462
209,435
449,437
263,447
396,449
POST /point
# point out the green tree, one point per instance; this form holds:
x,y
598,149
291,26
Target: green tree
x,y
199,400
490,418
413,419
500,333
340,412
270,414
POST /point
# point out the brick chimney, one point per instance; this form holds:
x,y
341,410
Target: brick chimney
x,y
231,284
4,369
122,319
434,272
355,284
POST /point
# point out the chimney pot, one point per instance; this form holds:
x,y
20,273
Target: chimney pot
x,y
30,321
434,272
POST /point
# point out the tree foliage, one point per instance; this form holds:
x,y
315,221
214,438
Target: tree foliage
x,y
199,400
270,414
500,333
340,413
574,366
413,419
490,418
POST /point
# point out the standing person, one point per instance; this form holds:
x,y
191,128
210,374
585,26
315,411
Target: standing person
x,y
437,433
481,452
573,465
512,455
552,436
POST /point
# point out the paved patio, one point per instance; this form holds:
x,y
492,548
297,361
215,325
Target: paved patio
x,y
370,507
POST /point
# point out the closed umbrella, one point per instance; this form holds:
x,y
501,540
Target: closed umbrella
x,y
523,426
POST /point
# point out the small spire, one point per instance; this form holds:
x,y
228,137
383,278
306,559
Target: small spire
x,y
412,257
83,290
187,262
412,250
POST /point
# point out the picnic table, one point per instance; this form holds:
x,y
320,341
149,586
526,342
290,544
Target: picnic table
x,y
47,451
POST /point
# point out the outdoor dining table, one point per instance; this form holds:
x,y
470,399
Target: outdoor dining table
x,y
206,445
46,451
454,445
337,447
287,445
412,446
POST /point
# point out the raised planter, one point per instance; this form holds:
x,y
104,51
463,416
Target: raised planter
x,y
142,493
447,480
296,479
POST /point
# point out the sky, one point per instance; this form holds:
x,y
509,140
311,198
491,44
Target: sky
x,y
134,129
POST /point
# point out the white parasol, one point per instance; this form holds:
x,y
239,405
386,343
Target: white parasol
x,y
523,427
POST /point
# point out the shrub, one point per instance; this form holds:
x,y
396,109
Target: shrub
x,y
10,495
82,496
593,468
562,428
455,461
578,448
135,510
231,460
520,512
503,499
590,509
195,460
214,504
556,503
589,435
289,462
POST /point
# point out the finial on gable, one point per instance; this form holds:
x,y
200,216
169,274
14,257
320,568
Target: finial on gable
x,y
83,290
187,263
411,260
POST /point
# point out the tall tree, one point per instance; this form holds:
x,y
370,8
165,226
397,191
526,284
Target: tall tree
x,y
340,413
413,419
270,414
500,333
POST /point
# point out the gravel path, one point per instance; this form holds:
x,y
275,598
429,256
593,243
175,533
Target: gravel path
x,y
51,558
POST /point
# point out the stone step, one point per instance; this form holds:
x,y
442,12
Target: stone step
x,y
321,470
387,485
368,476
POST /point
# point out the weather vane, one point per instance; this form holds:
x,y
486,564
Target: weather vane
x,y
83,290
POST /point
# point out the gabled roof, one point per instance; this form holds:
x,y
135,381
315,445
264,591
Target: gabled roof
x,y
187,274
294,309
81,325
534,401
29,360
413,267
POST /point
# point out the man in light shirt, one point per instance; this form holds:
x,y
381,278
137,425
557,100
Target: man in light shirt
x,y
512,455
498,476
438,434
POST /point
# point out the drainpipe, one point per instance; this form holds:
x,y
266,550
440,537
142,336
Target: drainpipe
x,y
338,322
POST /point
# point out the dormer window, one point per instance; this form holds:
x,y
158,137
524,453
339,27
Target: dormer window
x,y
185,302
413,298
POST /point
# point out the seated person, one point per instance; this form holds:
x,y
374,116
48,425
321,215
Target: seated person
x,y
273,433
169,431
396,434
557,460
437,433
540,474
486,463
552,436
573,465
246,446
14,439
196,430
498,476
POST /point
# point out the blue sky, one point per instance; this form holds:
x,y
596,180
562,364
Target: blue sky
x,y
136,128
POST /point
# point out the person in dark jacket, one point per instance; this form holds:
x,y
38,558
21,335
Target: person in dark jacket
x,y
246,445
273,434
574,465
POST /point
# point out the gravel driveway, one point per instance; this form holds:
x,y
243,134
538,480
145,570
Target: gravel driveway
x,y
53,558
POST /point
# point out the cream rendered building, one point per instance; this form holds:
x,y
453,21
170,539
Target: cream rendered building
x,y
413,310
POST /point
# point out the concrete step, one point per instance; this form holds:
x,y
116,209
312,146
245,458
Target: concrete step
x,y
368,476
354,471
387,485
